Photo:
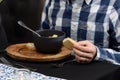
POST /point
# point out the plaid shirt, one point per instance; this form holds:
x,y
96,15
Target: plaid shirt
x,y
95,20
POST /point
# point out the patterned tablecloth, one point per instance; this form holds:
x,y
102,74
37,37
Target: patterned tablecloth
x,y
7,73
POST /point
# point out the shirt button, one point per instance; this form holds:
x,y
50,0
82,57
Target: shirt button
x,y
85,26
76,9
74,25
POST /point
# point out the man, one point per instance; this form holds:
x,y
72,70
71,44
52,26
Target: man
x,y
95,24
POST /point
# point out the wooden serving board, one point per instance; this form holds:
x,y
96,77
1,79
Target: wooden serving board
x,y
19,51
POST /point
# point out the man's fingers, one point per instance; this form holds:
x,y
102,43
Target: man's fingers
x,y
82,54
82,59
85,46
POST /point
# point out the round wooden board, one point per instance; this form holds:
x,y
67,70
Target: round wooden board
x,y
18,51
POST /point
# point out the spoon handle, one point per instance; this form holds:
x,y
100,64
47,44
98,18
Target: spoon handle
x,y
23,25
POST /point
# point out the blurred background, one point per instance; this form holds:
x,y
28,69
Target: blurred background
x,y
29,11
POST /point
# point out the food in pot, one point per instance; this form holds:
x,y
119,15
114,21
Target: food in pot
x,y
53,36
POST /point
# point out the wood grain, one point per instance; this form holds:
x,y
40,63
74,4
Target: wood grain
x,y
19,51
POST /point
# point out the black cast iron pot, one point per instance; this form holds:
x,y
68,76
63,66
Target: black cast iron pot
x,y
48,44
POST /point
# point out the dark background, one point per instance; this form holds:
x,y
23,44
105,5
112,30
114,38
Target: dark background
x,y
29,11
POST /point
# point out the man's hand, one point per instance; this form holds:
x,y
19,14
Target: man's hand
x,y
84,51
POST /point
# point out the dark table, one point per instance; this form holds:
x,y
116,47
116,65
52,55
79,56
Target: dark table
x,y
74,71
